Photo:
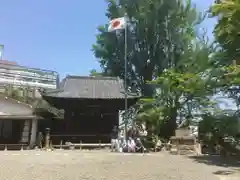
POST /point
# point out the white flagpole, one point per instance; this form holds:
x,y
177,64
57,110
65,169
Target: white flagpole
x,y
125,74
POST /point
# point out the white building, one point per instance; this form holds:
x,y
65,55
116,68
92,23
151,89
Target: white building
x,y
11,73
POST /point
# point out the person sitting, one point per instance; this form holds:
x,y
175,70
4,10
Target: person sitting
x,y
121,142
132,135
139,145
124,146
131,145
158,145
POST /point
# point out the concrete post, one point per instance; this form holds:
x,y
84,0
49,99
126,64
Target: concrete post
x,y
26,131
47,138
33,136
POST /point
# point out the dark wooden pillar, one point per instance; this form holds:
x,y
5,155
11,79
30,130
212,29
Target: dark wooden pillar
x,y
67,119
117,114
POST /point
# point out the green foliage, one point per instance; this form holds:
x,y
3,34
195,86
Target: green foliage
x,y
186,87
94,72
226,33
166,52
214,128
157,32
227,30
232,74
153,116
177,92
226,80
174,83
161,36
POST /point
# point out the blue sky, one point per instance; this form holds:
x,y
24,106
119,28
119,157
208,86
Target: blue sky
x,y
56,34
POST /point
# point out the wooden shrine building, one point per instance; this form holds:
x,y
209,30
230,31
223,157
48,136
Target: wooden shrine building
x,y
91,108
21,110
18,124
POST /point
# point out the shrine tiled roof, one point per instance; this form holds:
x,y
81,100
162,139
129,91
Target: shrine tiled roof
x,y
91,87
10,106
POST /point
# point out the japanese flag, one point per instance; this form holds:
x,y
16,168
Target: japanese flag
x,y
116,24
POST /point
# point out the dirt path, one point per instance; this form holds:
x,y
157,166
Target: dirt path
x,y
102,165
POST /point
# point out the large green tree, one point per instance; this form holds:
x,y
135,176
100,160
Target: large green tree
x,y
186,92
161,35
226,33
157,32
227,29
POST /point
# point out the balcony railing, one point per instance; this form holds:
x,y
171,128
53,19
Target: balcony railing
x,y
23,76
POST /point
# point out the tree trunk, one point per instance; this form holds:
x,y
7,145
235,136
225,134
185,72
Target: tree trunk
x,y
147,89
169,128
172,124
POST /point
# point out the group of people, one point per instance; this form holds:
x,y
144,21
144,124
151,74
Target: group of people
x,y
130,143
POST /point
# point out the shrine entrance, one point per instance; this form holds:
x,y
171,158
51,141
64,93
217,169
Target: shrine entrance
x,y
91,109
85,125
11,131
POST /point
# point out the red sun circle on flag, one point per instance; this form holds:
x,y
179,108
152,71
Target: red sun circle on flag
x,y
115,24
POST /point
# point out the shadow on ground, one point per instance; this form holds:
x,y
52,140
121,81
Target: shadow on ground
x,y
223,172
217,161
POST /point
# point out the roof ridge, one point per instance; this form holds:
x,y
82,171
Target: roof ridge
x,y
89,87
63,83
92,77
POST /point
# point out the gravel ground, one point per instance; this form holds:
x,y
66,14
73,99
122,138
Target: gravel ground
x,y
102,165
